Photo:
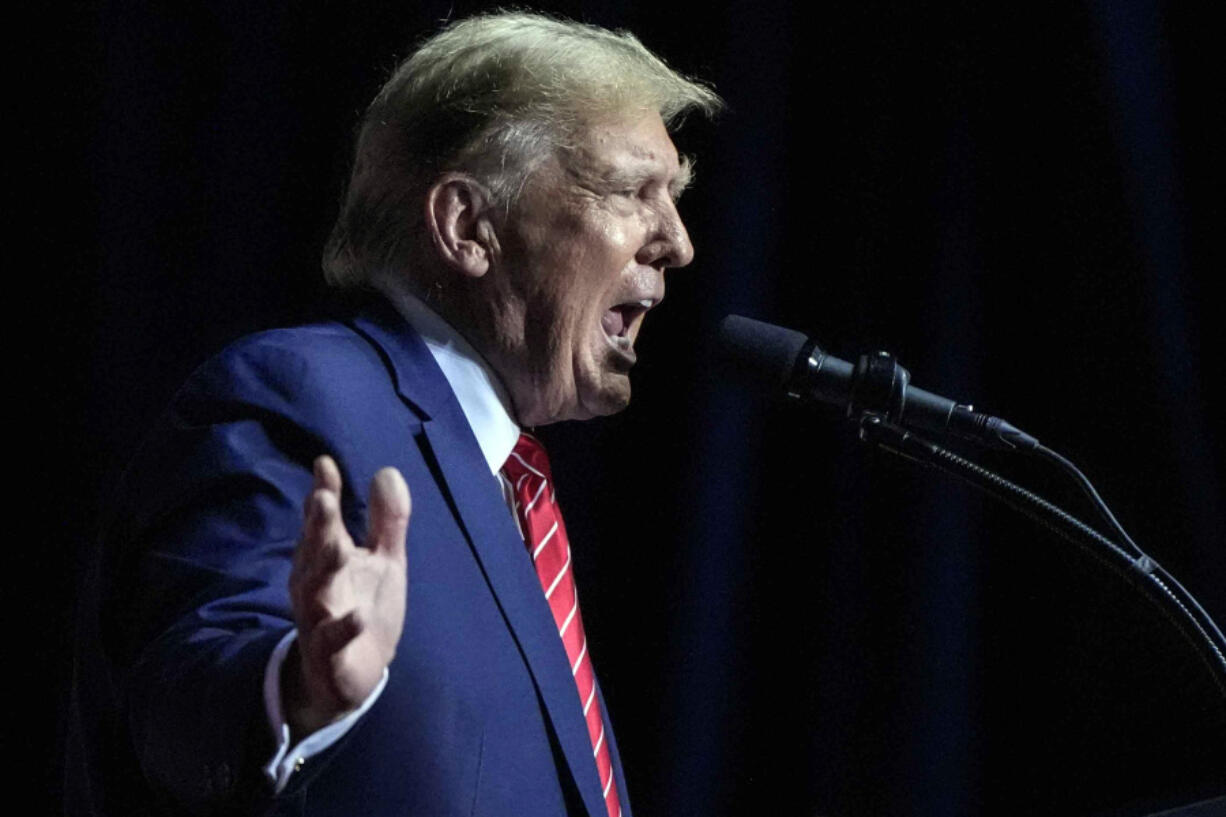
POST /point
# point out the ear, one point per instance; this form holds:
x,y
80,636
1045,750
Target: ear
x,y
459,220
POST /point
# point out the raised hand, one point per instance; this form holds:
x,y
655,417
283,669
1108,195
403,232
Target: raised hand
x,y
348,601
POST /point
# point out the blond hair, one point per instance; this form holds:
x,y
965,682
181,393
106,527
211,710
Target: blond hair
x,y
491,96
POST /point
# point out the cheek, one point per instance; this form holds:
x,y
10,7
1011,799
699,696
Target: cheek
x,y
613,232
580,275
588,281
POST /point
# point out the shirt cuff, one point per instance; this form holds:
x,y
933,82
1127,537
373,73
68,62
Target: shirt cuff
x,y
287,760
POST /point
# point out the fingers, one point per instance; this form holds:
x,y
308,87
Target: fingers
x,y
389,513
348,603
327,474
324,538
323,528
324,545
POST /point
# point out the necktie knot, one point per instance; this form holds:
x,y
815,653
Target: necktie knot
x,y
528,460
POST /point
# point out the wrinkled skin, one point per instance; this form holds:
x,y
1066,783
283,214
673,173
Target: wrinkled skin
x,y
582,257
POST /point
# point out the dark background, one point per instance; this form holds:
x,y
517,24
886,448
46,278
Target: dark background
x,y
1023,205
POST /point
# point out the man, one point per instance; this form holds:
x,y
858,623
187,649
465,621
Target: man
x,y
282,640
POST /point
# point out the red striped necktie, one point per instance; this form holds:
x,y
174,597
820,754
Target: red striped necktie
x,y
540,522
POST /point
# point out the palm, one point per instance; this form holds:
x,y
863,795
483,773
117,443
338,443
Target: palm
x,y
348,601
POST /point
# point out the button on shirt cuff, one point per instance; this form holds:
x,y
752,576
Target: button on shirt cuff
x,y
286,760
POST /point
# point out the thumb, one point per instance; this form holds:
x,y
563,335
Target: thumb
x,y
389,513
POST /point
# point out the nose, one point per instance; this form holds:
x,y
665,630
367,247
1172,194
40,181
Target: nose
x,y
669,243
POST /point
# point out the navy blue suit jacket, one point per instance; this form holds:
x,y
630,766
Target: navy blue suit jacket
x,y
480,715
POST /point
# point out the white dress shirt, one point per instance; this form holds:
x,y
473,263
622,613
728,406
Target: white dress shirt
x,y
487,407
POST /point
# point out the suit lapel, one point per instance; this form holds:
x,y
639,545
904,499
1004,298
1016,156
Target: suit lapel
x,y
508,569
491,532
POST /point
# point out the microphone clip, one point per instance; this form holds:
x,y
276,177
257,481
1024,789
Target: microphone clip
x,y
879,387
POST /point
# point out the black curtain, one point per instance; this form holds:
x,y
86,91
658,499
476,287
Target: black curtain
x,y
1022,204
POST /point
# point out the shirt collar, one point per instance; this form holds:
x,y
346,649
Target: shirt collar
x,y
481,395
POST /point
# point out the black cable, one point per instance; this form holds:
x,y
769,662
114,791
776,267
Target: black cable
x,y
897,440
1083,482
1104,511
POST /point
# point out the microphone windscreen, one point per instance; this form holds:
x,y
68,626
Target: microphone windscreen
x,y
760,351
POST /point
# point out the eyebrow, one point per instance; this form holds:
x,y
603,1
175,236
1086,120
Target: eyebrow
x,y
685,177
679,184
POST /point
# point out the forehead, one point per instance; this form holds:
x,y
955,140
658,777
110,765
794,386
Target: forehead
x,y
636,144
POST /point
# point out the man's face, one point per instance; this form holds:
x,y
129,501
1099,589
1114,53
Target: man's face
x,y
583,257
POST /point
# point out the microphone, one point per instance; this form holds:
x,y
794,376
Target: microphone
x,y
777,358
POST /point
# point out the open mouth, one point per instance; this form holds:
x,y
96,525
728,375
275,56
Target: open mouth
x,y
620,321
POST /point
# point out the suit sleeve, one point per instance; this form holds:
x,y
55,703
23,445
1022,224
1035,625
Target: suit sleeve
x,y
196,587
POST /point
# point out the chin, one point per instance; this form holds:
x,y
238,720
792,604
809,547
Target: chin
x,y
611,406
610,397
587,401
598,387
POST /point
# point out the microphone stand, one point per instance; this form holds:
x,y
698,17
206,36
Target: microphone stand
x,y
1141,571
